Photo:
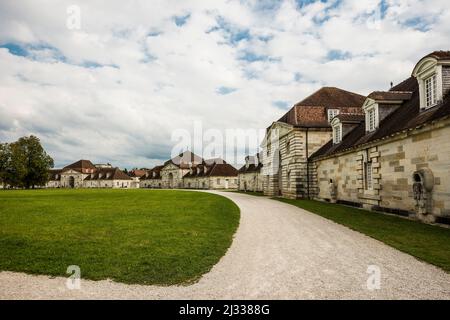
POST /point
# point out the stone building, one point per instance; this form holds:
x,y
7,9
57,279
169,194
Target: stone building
x,y
151,179
396,158
250,178
175,169
190,171
211,176
84,174
136,175
303,130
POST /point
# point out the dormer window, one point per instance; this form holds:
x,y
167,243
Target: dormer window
x,y
337,133
432,77
332,113
371,120
431,91
372,116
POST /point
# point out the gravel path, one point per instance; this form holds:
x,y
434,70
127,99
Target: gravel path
x,y
279,252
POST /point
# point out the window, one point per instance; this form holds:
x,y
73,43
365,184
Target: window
x,y
337,134
430,92
288,147
332,113
218,181
371,119
368,175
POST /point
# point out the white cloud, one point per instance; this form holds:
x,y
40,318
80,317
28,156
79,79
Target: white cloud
x,y
116,89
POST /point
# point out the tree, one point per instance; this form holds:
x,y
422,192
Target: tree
x,y
24,163
4,160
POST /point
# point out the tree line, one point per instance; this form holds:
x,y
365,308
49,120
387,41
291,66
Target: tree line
x,y
24,163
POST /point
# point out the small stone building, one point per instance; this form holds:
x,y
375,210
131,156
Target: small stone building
x,y
151,179
84,174
211,176
303,130
396,158
250,178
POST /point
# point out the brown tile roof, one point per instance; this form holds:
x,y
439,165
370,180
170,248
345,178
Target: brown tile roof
x,y
80,165
312,111
390,95
407,116
215,170
198,171
251,168
223,170
333,98
137,173
214,160
108,174
149,174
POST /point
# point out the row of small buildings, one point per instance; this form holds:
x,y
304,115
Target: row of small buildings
x,y
186,170
388,151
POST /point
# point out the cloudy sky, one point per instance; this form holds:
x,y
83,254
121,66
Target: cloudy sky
x,y
116,88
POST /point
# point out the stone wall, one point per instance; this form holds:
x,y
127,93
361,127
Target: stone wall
x,y
77,176
394,163
293,174
151,183
172,176
251,181
223,183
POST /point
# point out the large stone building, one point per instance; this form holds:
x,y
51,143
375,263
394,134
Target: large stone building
x,y
84,174
190,171
299,133
395,158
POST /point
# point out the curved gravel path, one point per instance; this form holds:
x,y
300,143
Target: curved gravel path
x,y
279,252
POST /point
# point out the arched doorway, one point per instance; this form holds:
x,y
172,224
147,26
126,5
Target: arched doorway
x,y
170,180
71,182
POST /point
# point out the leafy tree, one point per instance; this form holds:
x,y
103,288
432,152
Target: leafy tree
x,y
24,163
4,160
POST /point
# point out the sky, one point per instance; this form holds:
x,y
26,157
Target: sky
x,y
111,81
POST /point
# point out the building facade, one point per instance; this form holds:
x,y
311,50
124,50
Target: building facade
x,y
250,177
303,130
396,158
84,174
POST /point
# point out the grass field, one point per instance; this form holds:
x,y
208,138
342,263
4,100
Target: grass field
x,y
426,242
131,236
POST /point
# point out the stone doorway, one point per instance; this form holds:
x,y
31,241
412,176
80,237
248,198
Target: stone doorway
x,y
71,182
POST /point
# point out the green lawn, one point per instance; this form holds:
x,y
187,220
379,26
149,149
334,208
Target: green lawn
x,y
131,236
426,242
